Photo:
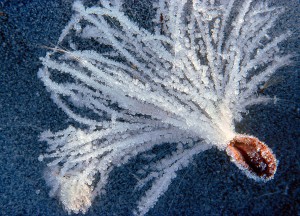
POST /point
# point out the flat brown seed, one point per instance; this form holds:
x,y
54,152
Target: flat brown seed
x,y
254,157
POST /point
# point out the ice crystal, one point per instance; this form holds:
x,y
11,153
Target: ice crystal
x,y
184,81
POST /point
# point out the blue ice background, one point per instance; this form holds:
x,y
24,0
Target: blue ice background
x,y
211,185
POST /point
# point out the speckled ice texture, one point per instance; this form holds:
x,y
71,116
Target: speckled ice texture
x,y
211,185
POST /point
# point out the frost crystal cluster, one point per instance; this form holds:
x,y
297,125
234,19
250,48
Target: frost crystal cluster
x,y
184,81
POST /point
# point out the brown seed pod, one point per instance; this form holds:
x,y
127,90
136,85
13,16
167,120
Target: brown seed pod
x,y
252,156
